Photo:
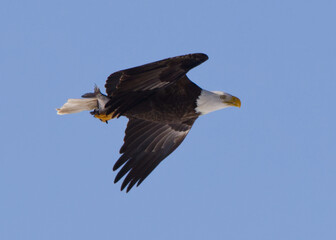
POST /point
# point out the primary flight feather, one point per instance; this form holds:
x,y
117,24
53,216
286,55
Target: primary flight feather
x,y
161,104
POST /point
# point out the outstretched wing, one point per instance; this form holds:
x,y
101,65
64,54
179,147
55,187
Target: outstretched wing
x,y
152,75
146,144
129,87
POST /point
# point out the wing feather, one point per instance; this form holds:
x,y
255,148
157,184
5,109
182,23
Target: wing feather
x,y
146,144
148,76
128,87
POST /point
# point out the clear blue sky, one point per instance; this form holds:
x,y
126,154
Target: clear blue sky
x,y
265,171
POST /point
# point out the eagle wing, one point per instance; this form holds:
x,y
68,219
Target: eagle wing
x,y
130,86
146,144
152,75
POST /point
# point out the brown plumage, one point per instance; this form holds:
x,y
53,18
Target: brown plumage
x,y
161,103
159,100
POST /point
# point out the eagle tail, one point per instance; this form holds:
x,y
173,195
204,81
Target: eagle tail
x,y
88,103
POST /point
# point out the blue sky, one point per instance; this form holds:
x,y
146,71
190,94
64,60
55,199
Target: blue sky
x,y
264,171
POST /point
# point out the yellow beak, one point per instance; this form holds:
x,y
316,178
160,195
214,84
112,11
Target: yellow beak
x,y
235,102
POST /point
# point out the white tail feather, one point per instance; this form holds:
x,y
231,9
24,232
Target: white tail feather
x,y
78,105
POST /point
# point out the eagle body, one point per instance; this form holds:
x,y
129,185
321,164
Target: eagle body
x,y
161,104
175,103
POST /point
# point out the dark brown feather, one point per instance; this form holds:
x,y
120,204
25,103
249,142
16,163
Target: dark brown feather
x,y
142,154
130,87
160,101
148,76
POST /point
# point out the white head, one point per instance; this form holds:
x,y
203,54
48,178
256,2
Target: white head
x,y
210,101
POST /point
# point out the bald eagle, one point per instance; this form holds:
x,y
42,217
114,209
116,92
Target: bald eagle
x,y
161,104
